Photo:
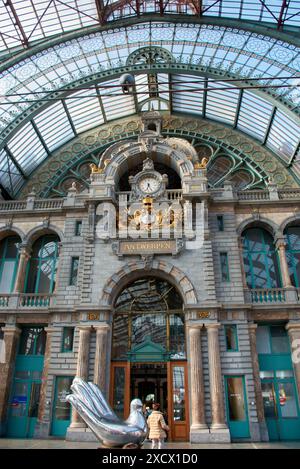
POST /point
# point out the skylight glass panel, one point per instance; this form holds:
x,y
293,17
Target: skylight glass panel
x,y
10,177
142,88
254,115
115,104
187,96
221,104
54,126
85,111
284,135
28,155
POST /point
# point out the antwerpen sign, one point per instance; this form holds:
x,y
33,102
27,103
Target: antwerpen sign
x,y
148,247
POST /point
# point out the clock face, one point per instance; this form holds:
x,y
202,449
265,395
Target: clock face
x,y
149,184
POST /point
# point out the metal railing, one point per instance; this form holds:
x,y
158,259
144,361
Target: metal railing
x,y
266,295
29,300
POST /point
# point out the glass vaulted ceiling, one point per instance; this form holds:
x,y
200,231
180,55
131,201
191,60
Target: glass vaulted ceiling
x,y
27,112
22,22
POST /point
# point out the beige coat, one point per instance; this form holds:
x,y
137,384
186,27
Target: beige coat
x,y
157,425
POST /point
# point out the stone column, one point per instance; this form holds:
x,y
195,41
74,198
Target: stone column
x,y
240,247
218,424
100,377
197,393
43,422
293,329
286,280
257,384
11,341
58,269
82,367
20,277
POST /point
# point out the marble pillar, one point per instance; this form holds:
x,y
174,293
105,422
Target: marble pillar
x,y
284,268
293,329
11,336
100,371
218,424
199,429
82,370
24,256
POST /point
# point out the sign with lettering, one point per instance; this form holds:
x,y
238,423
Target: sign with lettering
x,y
148,247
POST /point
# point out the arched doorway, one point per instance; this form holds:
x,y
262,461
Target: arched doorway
x,y
149,353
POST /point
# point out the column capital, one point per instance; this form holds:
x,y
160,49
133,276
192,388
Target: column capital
x,y
84,327
191,326
252,327
214,326
280,242
101,327
51,329
11,330
293,326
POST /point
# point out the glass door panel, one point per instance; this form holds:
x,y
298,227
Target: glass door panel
x,y
61,415
178,401
120,389
23,410
281,408
237,412
289,416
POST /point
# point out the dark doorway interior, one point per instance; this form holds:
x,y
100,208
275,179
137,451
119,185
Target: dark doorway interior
x,y
148,382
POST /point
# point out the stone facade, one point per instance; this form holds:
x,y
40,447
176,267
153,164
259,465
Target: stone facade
x,y
195,271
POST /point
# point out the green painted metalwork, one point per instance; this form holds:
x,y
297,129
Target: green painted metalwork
x,y
7,259
43,264
260,260
71,162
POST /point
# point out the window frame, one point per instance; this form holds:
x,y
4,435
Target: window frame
x,y
72,270
65,330
227,273
54,260
236,349
4,258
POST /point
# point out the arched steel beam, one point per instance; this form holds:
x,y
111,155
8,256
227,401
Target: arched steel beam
x,y
266,29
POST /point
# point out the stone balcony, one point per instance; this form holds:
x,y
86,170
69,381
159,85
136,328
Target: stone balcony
x,y
226,193
272,296
26,301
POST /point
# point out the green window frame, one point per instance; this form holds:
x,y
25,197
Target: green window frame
x,y
4,259
74,271
32,341
36,266
231,335
224,267
261,264
67,339
220,222
270,339
292,251
78,228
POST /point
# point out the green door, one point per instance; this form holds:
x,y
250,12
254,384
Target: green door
x,y
281,406
61,415
23,409
237,409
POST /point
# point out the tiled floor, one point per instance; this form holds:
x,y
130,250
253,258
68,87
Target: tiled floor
x,y
6,443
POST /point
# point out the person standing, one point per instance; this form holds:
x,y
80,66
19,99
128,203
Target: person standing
x,y
157,427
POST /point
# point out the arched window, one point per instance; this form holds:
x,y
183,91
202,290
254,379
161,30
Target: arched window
x,y
9,257
41,269
292,236
260,259
149,309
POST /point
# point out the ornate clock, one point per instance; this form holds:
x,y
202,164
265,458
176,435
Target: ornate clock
x,y
148,182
